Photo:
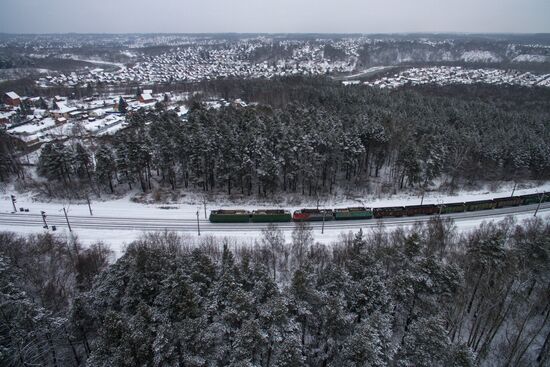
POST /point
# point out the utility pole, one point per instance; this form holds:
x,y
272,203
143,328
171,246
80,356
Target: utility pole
x,y
198,224
13,201
538,206
44,219
323,226
89,206
422,199
204,203
67,219
514,189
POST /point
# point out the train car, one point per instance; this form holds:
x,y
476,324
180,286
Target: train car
x,y
546,198
530,199
271,215
352,213
390,211
230,216
480,205
452,208
308,215
429,209
508,201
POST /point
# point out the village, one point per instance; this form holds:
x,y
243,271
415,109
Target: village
x,y
443,75
37,120
201,62
149,60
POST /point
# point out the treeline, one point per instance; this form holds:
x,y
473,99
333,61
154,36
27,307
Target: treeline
x,y
330,136
10,164
426,296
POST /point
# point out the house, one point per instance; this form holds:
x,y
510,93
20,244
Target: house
x,y
62,110
12,99
78,114
5,117
146,98
96,112
238,103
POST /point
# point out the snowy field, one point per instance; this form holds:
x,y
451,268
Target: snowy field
x,y
186,211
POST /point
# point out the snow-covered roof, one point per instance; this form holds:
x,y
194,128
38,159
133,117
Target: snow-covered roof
x,y
6,115
63,108
147,91
34,127
13,95
146,96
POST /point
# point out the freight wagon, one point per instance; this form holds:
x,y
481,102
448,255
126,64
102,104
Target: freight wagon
x,y
308,215
480,205
508,201
531,199
353,213
230,216
428,209
271,215
391,211
452,208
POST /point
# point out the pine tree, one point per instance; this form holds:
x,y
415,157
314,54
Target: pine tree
x,y
55,162
105,166
427,344
370,344
122,105
27,328
82,161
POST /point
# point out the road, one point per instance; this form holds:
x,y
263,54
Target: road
x,y
11,221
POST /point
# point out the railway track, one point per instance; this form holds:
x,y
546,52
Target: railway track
x,y
10,221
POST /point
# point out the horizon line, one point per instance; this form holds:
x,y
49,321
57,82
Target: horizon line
x,y
278,33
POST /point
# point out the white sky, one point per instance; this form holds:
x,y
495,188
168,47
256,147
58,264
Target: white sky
x,y
285,16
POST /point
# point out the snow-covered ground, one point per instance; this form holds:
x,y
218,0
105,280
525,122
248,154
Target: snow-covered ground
x,y
95,61
118,240
187,208
34,127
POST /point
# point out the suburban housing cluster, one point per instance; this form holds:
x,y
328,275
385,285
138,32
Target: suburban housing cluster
x,y
443,75
203,63
35,120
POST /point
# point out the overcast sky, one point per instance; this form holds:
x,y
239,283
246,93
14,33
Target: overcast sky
x,y
286,16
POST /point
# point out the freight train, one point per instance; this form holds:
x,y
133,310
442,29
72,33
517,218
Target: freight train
x,y
309,215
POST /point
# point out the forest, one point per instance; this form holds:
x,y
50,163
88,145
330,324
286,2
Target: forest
x,y
427,295
310,137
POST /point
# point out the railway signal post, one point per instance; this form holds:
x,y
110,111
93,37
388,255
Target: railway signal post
x,y
67,219
89,206
538,206
323,226
44,219
198,224
13,201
